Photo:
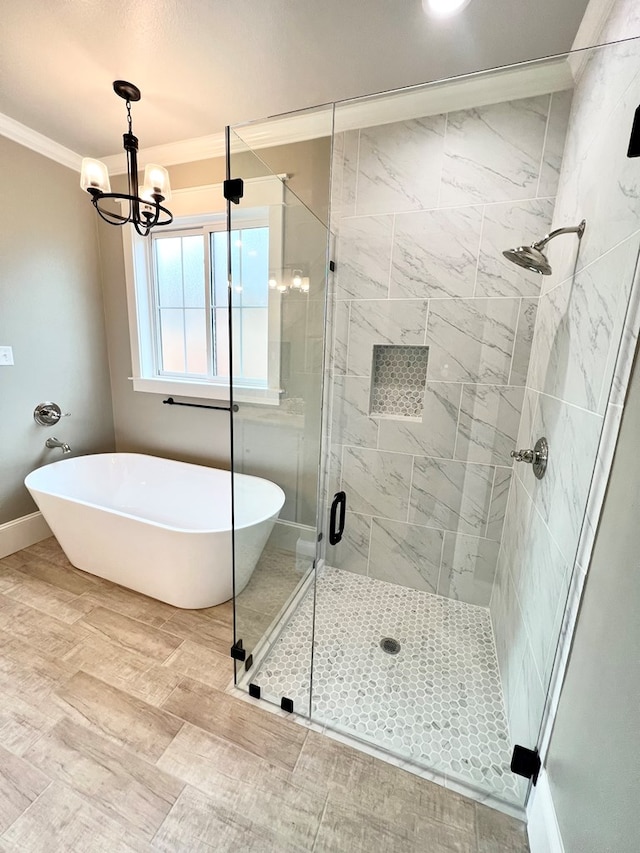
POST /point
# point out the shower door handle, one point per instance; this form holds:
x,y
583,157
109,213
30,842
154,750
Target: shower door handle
x,y
336,525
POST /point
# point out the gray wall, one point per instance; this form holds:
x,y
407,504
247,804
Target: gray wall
x,y
593,756
51,312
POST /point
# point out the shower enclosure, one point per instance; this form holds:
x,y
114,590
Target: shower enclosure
x,y
388,364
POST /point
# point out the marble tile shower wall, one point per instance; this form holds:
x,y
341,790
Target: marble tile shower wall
x,y
573,361
422,210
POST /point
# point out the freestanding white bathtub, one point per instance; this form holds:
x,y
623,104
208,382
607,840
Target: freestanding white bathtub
x,y
160,527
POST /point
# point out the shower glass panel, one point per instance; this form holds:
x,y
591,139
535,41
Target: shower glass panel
x,y
436,617
278,250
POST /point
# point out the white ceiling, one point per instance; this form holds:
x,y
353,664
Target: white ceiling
x,y
202,64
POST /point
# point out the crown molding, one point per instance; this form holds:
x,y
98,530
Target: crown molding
x,y
520,81
39,143
592,25
473,90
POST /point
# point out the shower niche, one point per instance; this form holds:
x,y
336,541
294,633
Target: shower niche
x,y
398,381
426,357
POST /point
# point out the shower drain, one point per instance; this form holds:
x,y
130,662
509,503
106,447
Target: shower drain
x,y
390,646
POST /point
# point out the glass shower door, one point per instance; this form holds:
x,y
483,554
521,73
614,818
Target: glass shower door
x,y
275,321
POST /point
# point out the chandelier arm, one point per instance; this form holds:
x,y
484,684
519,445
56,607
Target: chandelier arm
x,y
109,216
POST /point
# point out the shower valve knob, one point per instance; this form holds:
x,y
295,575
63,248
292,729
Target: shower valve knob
x,y
538,457
522,455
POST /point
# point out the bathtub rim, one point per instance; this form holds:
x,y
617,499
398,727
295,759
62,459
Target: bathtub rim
x,y
235,526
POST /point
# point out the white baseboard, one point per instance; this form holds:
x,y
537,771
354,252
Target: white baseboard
x,y
542,823
22,532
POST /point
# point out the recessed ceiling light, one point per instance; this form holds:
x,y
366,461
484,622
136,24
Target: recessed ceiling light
x,y
443,8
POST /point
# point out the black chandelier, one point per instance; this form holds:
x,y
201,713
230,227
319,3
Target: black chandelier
x,y
145,210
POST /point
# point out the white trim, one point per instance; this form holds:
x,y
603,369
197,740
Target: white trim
x,y
542,822
22,532
39,143
593,22
472,90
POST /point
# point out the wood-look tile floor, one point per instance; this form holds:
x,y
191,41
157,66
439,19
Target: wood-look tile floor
x,y
116,735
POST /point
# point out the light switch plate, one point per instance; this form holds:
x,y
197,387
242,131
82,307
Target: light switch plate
x,y
6,356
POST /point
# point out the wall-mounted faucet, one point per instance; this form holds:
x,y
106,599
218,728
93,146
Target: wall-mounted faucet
x,y
53,442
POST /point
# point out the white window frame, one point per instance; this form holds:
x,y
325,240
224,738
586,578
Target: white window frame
x,y
204,208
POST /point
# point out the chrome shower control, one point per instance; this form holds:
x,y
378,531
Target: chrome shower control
x,y
48,414
538,457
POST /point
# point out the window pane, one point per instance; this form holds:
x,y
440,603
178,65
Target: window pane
x,y
255,267
219,243
196,337
172,340
169,271
236,268
222,343
193,271
254,343
221,333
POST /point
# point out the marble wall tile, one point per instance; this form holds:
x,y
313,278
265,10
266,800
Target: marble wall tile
x,y
435,253
493,153
510,634
488,424
435,435
471,340
516,534
399,165
352,553
498,506
351,421
581,320
468,568
621,356
340,348
543,583
523,342
451,495
376,482
344,166
363,257
605,183
506,226
382,321
559,112
561,496
525,703
405,554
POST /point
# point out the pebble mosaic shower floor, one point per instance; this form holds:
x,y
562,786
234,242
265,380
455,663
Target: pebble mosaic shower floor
x,y
437,702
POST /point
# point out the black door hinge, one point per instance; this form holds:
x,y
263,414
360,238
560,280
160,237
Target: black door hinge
x,y
526,762
237,651
233,189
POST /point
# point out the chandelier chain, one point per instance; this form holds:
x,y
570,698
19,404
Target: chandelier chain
x,y
129,115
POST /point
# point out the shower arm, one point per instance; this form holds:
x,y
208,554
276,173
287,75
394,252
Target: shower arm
x,y
573,229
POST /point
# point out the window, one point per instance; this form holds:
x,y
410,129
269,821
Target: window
x,y
178,299
190,304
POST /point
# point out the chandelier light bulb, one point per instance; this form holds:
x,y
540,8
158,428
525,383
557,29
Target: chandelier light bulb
x,y
443,8
156,179
273,283
297,279
94,176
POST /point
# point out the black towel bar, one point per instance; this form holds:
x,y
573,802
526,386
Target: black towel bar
x,y
171,402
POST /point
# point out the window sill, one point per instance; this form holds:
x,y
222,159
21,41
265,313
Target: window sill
x,y
207,391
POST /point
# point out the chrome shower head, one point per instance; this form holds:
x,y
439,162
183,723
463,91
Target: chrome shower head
x,y
533,258
530,258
